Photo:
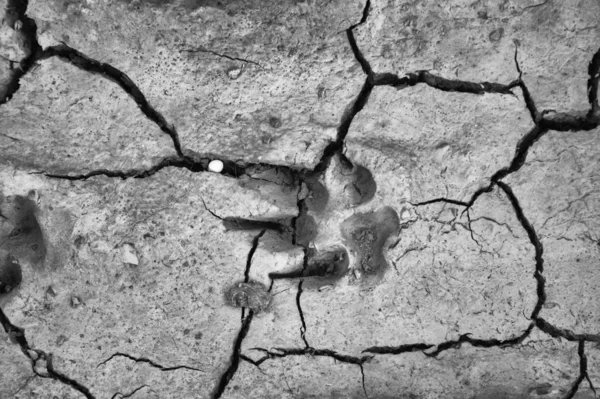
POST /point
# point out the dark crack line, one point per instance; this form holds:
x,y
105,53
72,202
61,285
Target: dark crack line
x,y
255,242
17,336
174,161
362,378
480,343
113,74
28,34
569,335
130,394
443,84
454,344
203,50
336,146
147,361
193,165
544,122
438,200
593,82
396,350
583,373
301,314
27,381
529,102
276,353
537,245
235,357
366,67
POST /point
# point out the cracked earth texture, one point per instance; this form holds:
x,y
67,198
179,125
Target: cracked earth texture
x,y
408,206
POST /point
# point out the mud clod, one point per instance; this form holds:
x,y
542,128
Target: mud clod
x,y
252,295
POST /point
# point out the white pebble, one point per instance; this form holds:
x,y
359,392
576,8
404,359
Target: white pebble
x,y
215,166
128,255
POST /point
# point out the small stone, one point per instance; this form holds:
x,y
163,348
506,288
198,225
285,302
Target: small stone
x,y
234,72
128,255
496,35
75,302
50,292
275,122
216,166
61,340
405,214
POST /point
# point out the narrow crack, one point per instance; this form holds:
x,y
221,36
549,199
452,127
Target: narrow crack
x,y
276,353
17,336
284,352
27,381
17,19
443,84
480,343
113,74
529,102
438,200
439,348
396,350
358,104
301,314
366,67
342,131
147,361
235,357
255,242
194,165
206,51
583,373
174,161
537,245
128,395
362,378
593,82
569,335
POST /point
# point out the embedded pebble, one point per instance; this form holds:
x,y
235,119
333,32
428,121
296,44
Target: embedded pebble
x,y
216,166
128,255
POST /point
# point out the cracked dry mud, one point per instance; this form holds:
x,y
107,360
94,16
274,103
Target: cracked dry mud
x,y
408,206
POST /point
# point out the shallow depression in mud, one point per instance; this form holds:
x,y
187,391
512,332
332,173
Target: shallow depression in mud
x,y
366,235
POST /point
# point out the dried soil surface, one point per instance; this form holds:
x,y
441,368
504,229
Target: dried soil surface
x,y
408,204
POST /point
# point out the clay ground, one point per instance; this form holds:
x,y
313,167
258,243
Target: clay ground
x,y
408,205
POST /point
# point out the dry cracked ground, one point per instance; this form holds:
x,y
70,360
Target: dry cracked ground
x,y
408,205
